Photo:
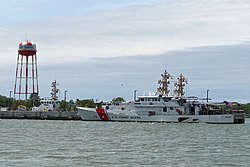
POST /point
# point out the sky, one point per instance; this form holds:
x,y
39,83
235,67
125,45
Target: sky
x,y
102,49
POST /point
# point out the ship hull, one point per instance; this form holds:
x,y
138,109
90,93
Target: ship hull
x,y
91,114
88,114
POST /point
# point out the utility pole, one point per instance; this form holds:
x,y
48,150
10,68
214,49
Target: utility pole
x,y
207,95
65,95
10,100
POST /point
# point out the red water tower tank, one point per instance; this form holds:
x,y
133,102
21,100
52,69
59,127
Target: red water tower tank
x,y
26,81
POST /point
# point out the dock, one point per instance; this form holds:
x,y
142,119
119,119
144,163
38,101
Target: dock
x,y
40,115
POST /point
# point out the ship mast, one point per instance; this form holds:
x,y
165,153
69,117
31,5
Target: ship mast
x,y
54,91
179,86
164,84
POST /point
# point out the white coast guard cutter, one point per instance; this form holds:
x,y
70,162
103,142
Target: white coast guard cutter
x,y
162,108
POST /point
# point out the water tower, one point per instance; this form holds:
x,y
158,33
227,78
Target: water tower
x,y
26,81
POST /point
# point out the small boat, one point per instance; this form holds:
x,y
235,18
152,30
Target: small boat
x,y
164,108
52,103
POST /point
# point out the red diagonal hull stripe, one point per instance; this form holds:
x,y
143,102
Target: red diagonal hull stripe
x,y
102,114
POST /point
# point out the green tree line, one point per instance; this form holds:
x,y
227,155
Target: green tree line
x,y
34,100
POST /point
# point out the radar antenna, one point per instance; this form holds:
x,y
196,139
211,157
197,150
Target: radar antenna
x,y
164,84
54,91
179,86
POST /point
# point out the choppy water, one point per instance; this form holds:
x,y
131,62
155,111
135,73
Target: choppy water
x,y
78,143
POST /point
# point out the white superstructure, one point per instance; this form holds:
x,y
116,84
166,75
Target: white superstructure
x,y
52,103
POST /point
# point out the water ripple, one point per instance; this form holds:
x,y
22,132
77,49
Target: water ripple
x,y
78,143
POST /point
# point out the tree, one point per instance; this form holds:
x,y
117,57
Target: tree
x,y
117,100
5,101
86,103
34,100
246,108
63,105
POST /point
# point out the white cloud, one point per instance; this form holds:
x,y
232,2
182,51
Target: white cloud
x,y
224,70
133,30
